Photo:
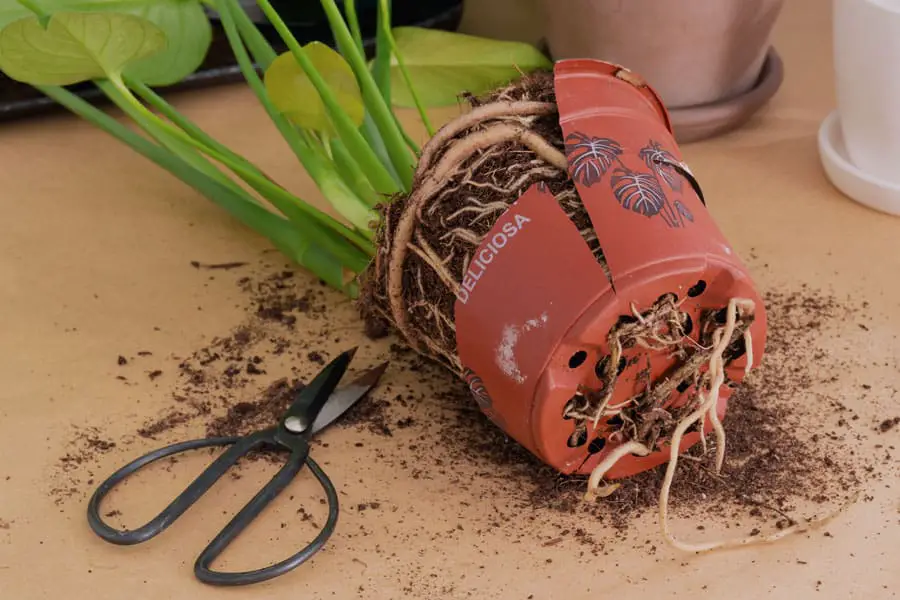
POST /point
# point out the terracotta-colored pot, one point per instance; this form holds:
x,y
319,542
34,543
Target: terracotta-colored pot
x,y
695,53
535,309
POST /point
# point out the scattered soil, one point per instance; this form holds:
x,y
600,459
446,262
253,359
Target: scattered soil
x,y
218,266
246,417
794,448
888,424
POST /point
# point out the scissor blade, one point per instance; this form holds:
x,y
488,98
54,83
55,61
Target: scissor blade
x,y
342,399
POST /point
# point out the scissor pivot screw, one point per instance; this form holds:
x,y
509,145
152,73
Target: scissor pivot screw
x,y
295,424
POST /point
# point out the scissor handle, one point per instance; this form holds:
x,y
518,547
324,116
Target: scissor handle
x,y
239,447
278,482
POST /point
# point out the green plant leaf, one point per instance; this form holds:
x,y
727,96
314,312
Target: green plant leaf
x,y
294,94
76,47
444,64
185,23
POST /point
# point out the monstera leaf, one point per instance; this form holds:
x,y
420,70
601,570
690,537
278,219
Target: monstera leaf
x,y
638,192
590,157
661,161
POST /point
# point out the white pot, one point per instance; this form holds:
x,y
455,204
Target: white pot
x,y
860,142
867,76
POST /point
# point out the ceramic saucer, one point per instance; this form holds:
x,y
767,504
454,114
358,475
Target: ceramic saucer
x,y
848,178
695,123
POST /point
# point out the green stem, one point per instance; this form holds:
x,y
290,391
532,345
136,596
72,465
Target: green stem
x,y
389,36
299,247
259,46
356,143
200,136
326,179
34,7
227,9
283,200
175,144
381,66
353,20
403,161
352,174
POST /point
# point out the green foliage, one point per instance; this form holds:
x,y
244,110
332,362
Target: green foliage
x,y
294,94
185,24
76,47
334,109
443,64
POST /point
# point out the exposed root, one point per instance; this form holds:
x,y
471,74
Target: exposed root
x,y
475,117
659,328
594,488
708,401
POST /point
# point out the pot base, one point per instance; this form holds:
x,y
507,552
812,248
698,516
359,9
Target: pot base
x,y
695,123
856,184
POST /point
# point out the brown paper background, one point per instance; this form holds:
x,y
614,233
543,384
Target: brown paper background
x,y
95,245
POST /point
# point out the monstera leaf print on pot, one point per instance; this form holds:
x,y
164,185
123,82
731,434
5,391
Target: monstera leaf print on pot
x,y
590,157
684,211
662,162
639,192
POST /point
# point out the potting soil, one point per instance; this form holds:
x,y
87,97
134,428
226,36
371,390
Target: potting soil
x,y
790,444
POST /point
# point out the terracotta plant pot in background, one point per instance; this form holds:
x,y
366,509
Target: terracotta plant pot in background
x,y
859,142
535,309
710,60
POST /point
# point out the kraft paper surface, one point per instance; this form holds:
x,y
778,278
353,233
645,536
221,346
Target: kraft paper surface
x,y
96,245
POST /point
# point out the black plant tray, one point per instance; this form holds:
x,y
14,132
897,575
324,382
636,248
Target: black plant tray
x,y
19,101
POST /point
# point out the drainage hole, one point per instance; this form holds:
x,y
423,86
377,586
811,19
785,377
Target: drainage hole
x,y
596,445
688,325
578,437
622,364
577,359
600,368
697,289
737,349
614,420
683,386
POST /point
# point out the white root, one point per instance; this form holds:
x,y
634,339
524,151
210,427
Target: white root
x,y
432,184
707,409
594,489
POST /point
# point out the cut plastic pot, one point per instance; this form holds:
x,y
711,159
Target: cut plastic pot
x,y
535,308
860,141
710,60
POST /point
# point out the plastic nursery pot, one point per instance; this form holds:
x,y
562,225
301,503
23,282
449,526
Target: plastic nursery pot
x,y
709,60
860,141
535,308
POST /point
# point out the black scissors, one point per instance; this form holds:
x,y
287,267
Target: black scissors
x,y
315,407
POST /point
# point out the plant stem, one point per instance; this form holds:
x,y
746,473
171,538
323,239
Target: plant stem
x,y
389,36
327,179
298,247
280,197
259,46
381,66
175,143
386,121
226,9
200,136
353,20
356,144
